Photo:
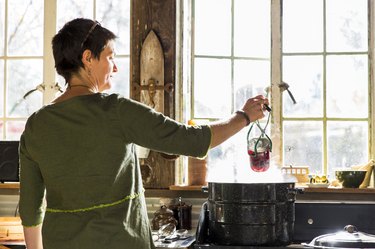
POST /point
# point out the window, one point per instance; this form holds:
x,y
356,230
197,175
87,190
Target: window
x,y
318,47
230,63
327,64
26,61
21,51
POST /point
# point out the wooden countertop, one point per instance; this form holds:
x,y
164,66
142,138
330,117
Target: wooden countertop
x,y
341,190
198,188
298,185
323,194
10,185
303,186
11,231
342,194
16,185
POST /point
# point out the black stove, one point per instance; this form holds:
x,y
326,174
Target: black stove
x,y
312,219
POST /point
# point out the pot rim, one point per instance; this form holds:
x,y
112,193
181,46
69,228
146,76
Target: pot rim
x,y
248,183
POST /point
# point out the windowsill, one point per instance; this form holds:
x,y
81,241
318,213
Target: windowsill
x,y
10,185
308,194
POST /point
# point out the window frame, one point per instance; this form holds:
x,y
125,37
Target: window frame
x,y
276,57
49,75
371,7
371,112
5,119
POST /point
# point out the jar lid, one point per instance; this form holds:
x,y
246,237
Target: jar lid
x,y
259,144
164,210
349,238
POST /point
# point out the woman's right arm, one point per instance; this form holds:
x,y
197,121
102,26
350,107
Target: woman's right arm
x,y
147,128
33,237
222,130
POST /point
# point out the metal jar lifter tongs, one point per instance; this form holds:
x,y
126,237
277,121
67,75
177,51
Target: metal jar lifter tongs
x,y
285,87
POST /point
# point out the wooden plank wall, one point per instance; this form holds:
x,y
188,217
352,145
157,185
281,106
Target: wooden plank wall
x,y
160,16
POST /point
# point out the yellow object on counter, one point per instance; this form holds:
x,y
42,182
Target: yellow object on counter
x,y
319,179
192,122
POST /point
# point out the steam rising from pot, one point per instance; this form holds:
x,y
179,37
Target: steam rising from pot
x,y
272,175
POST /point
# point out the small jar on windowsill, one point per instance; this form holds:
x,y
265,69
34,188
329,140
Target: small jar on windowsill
x,y
197,171
197,168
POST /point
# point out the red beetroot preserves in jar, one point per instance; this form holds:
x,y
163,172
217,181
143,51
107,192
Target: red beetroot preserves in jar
x,y
260,161
259,153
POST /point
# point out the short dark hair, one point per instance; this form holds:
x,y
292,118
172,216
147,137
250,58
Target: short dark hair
x,y
75,37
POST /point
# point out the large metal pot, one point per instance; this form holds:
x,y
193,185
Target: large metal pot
x,y
260,214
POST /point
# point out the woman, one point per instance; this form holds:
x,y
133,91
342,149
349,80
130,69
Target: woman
x,y
79,150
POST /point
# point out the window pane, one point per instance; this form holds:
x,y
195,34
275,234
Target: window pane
x,y
120,80
70,9
347,86
304,75
302,25
19,83
107,10
213,34
347,144
346,25
252,28
14,129
1,88
251,77
25,27
2,25
212,88
303,144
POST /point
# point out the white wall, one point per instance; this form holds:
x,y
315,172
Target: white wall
x,y
8,204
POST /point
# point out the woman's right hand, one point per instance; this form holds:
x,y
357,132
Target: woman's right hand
x,y
224,129
254,107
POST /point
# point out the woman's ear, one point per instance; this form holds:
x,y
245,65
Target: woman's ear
x,y
86,57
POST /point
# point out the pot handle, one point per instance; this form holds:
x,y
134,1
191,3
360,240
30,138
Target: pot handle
x,y
292,192
202,228
204,189
300,190
350,229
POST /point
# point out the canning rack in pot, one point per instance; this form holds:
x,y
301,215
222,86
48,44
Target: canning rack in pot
x,y
259,148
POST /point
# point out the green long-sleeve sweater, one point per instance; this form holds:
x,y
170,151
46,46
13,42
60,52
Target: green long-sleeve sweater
x,y
80,153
